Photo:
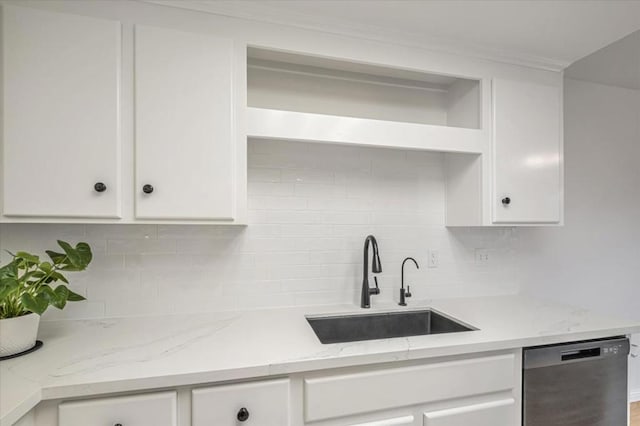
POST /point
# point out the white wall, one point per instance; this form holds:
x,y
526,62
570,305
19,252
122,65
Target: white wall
x,y
617,64
594,260
311,206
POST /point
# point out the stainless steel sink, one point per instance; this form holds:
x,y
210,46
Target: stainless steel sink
x,y
356,327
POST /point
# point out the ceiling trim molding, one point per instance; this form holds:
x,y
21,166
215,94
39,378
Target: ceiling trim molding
x,y
268,14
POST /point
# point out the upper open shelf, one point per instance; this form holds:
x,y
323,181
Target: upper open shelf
x,y
431,111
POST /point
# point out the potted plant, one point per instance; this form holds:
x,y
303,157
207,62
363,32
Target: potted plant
x,y
27,290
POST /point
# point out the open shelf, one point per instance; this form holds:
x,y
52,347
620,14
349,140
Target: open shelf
x,y
307,98
307,127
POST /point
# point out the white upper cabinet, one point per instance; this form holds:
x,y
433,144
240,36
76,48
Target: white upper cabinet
x,y
184,141
61,137
137,123
527,144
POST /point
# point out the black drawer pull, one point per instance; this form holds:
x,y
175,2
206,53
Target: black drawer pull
x,y
100,187
243,414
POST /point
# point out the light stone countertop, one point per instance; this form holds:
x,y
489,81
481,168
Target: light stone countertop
x,y
91,357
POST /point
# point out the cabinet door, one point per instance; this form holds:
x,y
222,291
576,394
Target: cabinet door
x,y
157,409
258,403
61,78
527,152
184,125
495,413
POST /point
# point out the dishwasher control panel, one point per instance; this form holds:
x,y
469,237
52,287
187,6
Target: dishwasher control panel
x,y
613,349
543,356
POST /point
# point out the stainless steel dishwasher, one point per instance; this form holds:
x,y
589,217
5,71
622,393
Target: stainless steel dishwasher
x,y
576,384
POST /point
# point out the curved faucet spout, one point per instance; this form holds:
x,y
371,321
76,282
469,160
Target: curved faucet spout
x,y
404,294
376,267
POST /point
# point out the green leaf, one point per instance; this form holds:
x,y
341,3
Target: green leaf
x,y
32,304
7,286
71,253
31,258
45,267
44,299
79,257
62,293
45,292
27,277
74,297
8,281
55,276
57,258
9,270
84,251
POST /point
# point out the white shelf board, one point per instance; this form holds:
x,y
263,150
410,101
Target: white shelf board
x,y
307,127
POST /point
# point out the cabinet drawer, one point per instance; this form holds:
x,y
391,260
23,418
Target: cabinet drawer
x,y
398,387
495,413
266,404
396,421
158,409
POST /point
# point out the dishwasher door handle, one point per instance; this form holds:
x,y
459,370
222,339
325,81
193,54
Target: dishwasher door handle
x,y
580,354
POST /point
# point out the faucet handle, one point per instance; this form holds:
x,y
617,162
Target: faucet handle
x,y
377,289
408,292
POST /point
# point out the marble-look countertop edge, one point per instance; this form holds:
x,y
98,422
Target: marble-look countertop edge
x,y
203,378
15,411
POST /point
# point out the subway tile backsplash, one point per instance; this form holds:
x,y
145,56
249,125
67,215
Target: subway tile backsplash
x,y
311,206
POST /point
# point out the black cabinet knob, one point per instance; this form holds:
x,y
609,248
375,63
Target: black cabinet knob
x,y
506,201
118,424
147,189
243,414
100,187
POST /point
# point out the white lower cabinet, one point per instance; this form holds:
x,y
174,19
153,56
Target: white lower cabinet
x,y
156,409
478,391
333,396
471,390
256,403
495,413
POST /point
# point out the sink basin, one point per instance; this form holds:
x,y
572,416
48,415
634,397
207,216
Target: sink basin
x,y
356,327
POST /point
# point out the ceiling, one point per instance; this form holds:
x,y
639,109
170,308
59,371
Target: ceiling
x,y
550,33
615,65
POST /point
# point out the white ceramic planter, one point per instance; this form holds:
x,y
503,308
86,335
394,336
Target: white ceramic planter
x,y
18,334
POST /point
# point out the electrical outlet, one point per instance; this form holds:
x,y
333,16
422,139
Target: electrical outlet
x,y
433,259
482,256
